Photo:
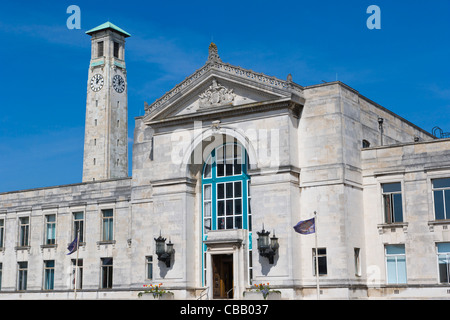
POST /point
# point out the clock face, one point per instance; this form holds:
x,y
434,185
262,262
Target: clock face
x,y
97,82
118,83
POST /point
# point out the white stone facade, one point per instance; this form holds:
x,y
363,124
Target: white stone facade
x,y
303,154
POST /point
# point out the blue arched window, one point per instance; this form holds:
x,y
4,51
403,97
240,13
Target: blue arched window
x,y
225,191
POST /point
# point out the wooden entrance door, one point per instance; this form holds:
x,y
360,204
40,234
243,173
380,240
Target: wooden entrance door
x,y
222,276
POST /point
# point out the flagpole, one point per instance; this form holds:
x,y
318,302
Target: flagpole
x,y
76,264
317,256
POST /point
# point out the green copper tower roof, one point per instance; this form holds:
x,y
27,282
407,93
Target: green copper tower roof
x,y
108,25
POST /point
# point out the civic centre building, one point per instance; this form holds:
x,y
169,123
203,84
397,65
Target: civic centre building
x,y
218,161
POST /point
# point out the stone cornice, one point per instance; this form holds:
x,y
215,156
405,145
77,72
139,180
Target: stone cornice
x,y
290,104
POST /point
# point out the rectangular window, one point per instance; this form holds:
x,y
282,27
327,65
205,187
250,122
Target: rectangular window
x,y
107,225
77,272
24,231
322,259
106,273
395,264
50,229
49,274
357,262
207,208
149,267
78,225
100,49
2,233
116,50
207,170
229,205
441,196
229,160
1,274
443,255
22,275
392,202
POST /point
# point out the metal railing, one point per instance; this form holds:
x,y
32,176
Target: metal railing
x,y
443,135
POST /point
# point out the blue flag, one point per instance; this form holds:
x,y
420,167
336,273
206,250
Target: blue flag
x,y
306,227
73,246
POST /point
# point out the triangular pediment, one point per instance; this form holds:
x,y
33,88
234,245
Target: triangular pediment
x,y
218,85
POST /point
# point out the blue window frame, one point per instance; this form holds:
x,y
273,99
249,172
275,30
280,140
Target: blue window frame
x,y
225,192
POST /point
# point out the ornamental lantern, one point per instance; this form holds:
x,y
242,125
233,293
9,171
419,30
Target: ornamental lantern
x,y
267,249
163,251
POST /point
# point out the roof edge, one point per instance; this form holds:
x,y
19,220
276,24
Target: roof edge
x,y
108,25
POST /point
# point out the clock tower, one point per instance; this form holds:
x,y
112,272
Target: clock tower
x,y
106,128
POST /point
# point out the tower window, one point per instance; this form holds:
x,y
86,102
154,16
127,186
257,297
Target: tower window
x,y
99,49
95,122
116,50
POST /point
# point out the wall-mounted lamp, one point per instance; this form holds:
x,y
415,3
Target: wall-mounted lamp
x,y
267,248
163,250
380,126
380,123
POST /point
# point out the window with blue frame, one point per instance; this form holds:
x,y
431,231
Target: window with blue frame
x,y
225,191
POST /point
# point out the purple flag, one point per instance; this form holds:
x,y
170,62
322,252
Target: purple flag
x,y
306,227
73,246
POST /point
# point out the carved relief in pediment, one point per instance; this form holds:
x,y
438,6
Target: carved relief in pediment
x,y
216,95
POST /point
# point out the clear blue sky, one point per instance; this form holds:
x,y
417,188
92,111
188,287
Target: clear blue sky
x,y
404,66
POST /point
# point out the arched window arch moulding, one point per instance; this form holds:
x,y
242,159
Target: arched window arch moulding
x,y
217,136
